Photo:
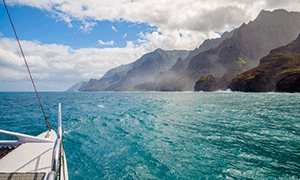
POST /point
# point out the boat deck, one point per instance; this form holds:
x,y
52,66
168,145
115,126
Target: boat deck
x,y
4,150
29,159
22,176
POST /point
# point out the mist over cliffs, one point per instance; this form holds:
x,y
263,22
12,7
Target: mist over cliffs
x,y
130,76
76,86
212,65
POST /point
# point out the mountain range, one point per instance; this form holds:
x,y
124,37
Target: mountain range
x,y
130,76
209,67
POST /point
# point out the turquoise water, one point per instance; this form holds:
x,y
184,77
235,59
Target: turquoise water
x,y
135,135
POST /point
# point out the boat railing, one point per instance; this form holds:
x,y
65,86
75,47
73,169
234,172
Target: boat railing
x,y
57,156
22,138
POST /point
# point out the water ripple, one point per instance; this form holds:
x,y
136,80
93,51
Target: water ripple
x,y
137,135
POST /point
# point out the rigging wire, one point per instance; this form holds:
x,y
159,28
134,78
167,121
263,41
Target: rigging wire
x,y
27,66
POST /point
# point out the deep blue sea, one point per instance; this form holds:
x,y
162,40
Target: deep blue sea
x,y
160,135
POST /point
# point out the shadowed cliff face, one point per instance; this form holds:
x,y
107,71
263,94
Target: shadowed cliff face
x,y
132,76
278,71
248,44
182,64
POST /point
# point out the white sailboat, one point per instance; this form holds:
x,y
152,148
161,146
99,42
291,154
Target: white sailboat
x,y
39,157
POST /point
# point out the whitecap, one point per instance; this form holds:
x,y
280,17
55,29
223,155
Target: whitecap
x,y
100,106
222,91
66,131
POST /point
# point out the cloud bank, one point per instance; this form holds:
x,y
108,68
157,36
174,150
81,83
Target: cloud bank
x,y
59,63
195,20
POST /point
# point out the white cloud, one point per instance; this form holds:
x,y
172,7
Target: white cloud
x,y
103,43
68,20
114,28
87,26
175,39
59,64
124,36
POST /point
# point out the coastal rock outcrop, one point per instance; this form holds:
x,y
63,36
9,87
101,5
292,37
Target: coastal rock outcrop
x,y
205,83
289,83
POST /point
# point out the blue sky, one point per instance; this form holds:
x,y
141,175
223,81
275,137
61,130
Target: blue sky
x,y
40,25
67,41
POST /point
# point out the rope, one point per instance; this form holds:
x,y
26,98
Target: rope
x,y
31,78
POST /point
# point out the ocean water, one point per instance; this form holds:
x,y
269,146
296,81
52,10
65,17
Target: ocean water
x,y
160,135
